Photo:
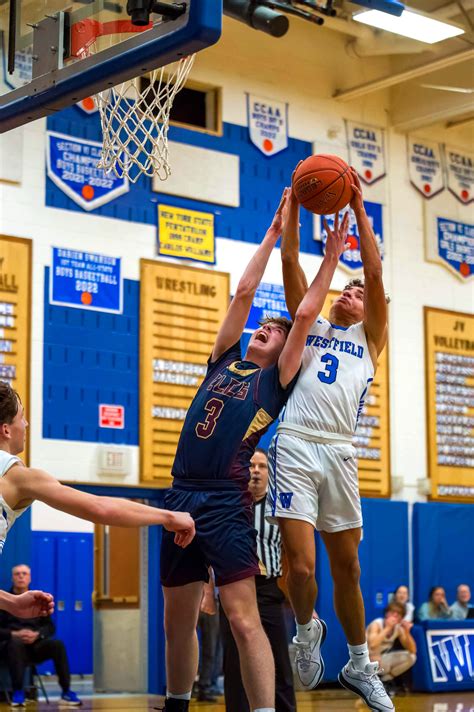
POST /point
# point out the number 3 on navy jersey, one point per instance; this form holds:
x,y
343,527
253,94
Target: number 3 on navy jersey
x,y
214,408
330,372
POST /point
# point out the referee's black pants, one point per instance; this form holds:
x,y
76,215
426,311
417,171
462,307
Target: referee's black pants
x,y
20,655
270,605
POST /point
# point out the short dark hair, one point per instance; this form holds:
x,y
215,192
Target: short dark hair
x,y
282,321
9,402
262,450
356,282
396,608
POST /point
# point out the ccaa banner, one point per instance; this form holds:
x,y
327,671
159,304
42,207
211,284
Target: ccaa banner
x,y
268,124
366,146
88,105
425,167
460,170
350,260
72,166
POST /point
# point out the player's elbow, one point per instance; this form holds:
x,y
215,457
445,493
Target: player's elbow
x,y
246,288
289,257
373,272
102,510
304,317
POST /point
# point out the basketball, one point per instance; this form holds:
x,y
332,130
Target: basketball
x,y
322,184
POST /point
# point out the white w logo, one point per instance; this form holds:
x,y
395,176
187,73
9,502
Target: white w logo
x,y
285,499
450,656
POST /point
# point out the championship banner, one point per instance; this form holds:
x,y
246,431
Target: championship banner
x,y
350,260
449,353
187,234
424,166
450,243
23,65
86,280
366,146
268,124
181,310
460,170
15,318
72,166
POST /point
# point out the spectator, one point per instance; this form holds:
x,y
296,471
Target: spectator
x,y
29,641
436,607
386,634
270,604
402,595
461,605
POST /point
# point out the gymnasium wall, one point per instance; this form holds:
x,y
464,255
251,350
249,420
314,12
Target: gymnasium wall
x,y
303,69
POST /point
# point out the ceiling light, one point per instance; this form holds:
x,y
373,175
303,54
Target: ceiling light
x,y
410,24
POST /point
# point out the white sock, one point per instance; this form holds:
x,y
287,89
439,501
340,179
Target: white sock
x,y
184,696
359,655
265,709
304,632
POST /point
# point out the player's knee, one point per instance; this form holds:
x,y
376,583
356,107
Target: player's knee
x,y
413,659
300,572
243,627
346,571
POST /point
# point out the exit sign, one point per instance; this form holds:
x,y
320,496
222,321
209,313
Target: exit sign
x,y
111,416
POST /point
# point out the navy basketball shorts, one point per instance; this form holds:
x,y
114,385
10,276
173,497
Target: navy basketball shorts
x,y
225,538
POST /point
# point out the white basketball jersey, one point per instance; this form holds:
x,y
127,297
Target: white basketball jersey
x,y
335,376
8,516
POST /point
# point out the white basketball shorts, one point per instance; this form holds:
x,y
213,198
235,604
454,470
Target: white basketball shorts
x,y
313,481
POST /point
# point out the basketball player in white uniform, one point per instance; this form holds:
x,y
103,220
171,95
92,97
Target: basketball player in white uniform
x,y
313,467
21,485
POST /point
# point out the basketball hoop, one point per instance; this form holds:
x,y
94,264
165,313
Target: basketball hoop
x,y
135,121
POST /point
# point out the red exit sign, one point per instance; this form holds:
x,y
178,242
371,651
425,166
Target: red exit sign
x,y
111,416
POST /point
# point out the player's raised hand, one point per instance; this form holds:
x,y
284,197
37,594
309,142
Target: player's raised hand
x,y
31,604
183,524
279,218
357,202
336,242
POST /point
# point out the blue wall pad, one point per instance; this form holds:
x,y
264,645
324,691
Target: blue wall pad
x,y
442,548
63,564
262,180
383,556
90,357
17,549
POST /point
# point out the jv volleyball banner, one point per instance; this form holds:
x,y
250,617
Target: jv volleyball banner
x,y
460,170
425,167
350,260
366,146
72,166
268,124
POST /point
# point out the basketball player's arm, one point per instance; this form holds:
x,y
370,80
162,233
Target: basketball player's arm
x,y
312,303
375,305
407,640
239,309
294,279
34,484
31,604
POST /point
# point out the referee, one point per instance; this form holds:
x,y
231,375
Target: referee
x,y
270,604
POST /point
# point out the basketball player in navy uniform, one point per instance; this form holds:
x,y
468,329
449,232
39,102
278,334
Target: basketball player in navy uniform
x,y
233,407
313,467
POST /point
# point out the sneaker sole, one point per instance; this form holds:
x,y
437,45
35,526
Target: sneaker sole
x,y
359,693
320,674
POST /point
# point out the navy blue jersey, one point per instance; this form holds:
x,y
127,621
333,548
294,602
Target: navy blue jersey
x,y
233,407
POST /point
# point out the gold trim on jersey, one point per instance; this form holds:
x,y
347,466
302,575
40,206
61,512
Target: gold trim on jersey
x,y
260,421
245,372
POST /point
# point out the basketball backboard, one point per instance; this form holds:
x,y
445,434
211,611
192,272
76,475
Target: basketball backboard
x,y
58,52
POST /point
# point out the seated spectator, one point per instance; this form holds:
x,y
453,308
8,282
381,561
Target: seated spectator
x,y
402,595
436,607
461,605
385,634
29,641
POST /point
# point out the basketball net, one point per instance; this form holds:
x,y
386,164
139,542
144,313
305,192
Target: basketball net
x,y
135,122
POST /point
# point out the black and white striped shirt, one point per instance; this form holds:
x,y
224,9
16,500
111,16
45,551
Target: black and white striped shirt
x,y
268,542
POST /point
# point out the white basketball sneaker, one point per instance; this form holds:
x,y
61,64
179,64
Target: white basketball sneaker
x,y
309,663
367,685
